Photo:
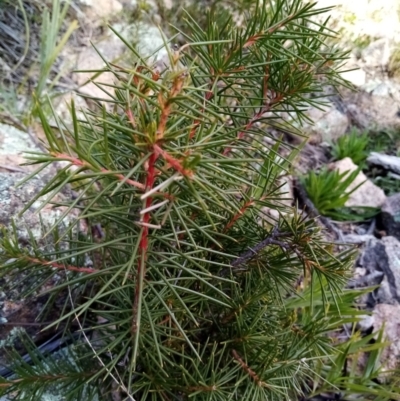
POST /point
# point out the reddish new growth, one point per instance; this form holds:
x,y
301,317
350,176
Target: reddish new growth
x,y
174,163
253,39
166,104
156,150
144,241
253,375
239,214
79,163
208,96
130,117
256,117
61,266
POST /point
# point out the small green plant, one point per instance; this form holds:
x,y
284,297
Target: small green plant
x,y
176,14
353,145
329,191
384,141
52,44
390,185
29,54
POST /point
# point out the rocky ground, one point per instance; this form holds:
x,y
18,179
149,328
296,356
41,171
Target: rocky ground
x,y
371,29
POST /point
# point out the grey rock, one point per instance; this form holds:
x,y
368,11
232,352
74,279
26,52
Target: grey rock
x,y
356,77
151,43
13,307
382,89
13,199
384,294
328,124
367,194
364,19
391,215
388,316
367,258
13,143
366,322
367,280
377,53
13,140
383,256
375,106
388,162
358,238
98,10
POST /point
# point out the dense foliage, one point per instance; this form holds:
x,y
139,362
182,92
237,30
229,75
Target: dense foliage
x,y
176,280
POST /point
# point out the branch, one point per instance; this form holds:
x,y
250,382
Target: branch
x,y
172,161
207,97
60,266
166,104
249,254
253,39
239,214
257,116
143,245
79,163
253,375
272,240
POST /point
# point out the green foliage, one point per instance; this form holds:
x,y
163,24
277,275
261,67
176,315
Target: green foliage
x,y
176,15
177,286
353,145
390,185
353,371
329,190
51,44
30,53
394,63
387,141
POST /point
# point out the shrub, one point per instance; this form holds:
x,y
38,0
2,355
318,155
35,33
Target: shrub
x,y
184,292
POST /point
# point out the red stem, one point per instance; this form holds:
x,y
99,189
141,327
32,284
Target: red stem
x,y
241,134
61,266
144,239
254,119
172,161
208,96
77,162
238,215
